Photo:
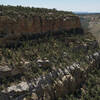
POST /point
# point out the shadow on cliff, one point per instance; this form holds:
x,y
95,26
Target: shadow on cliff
x,y
12,96
18,42
4,96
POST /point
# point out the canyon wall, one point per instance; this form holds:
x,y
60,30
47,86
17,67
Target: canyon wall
x,y
37,24
14,28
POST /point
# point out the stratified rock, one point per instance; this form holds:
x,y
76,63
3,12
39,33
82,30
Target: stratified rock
x,y
12,29
6,71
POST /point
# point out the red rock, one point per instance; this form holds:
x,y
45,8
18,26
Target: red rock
x,y
11,28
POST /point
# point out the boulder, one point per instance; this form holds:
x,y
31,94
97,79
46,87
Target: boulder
x,y
7,71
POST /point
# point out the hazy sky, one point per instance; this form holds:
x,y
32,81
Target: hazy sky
x,y
68,5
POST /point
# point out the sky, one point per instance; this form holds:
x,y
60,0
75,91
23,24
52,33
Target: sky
x,y
66,5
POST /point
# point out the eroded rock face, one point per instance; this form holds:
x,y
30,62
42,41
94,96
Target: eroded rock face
x,y
55,84
37,24
12,29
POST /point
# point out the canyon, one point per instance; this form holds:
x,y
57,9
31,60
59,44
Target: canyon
x,y
48,67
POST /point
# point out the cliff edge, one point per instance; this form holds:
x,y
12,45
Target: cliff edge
x,y
18,21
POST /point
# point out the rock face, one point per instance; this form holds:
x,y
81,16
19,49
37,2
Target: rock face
x,y
12,29
37,24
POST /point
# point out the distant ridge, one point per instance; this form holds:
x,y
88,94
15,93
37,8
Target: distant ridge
x,y
86,13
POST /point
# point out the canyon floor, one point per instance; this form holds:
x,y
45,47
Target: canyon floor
x,y
34,58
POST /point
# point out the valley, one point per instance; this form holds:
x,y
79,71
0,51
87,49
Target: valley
x,y
47,54
91,22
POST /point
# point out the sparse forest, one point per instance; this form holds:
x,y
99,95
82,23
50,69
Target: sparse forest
x,y
13,11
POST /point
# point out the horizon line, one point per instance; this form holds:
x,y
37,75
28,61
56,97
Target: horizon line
x,y
52,8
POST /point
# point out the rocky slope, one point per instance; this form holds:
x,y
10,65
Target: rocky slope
x,y
43,70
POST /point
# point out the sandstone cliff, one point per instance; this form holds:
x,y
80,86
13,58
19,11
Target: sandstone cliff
x,y
37,24
13,27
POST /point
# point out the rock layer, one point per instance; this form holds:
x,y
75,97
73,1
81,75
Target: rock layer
x,y
13,28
